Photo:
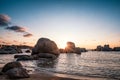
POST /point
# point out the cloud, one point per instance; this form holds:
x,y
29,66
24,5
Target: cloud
x,y
17,28
28,35
4,20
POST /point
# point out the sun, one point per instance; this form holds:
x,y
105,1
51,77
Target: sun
x,y
62,45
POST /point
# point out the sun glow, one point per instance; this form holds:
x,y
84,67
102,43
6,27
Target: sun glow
x,y
62,45
62,41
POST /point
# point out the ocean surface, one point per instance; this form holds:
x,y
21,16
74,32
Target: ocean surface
x,y
91,63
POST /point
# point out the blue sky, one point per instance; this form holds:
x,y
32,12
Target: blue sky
x,y
88,23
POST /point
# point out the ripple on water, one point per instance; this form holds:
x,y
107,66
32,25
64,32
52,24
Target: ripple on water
x,y
98,64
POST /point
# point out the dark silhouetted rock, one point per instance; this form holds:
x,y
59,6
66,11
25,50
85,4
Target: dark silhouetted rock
x,y
15,70
83,50
116,49
62,50
77,50
104,48
44,55
9,50
17,56
16,73
25,57
28,51
1,73
45,46
11,65
99,48
70,47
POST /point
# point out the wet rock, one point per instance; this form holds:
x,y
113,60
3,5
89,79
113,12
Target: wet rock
x,y
24,58
11,65
17,56
47,55
16,73
77,50
9,50
28,51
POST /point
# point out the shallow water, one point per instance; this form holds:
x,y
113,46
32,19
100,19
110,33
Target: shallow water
x,y
94,64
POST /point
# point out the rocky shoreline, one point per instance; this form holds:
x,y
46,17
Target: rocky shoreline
x,y
54,76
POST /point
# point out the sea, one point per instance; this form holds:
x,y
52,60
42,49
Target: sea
x,y
92,64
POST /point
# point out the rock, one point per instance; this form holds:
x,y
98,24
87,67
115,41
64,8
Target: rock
x,y
1,73
17,56
28,51
70,47
25,57
62,50
116,49
9,50
15,70
44,55
16,73
11,65
77,50
45,45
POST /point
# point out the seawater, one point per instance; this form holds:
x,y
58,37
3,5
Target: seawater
x,y
91,63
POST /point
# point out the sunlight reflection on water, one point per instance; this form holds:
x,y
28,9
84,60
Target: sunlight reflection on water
x,y
100,64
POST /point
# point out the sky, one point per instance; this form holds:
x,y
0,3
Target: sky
x,y
87,23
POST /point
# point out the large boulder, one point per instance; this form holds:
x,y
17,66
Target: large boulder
x,y
46,46
70,47
11,65
16,73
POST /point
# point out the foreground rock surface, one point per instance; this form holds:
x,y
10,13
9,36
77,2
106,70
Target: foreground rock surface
x,y
16,73
15,70
11,65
